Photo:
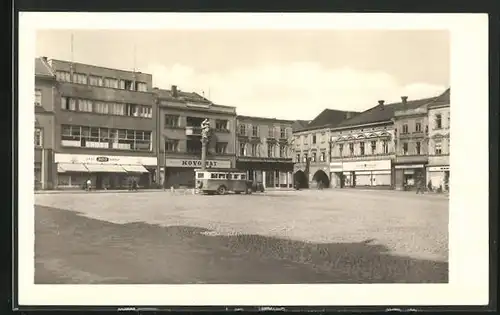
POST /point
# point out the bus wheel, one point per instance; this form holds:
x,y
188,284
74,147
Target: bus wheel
x,y
221,190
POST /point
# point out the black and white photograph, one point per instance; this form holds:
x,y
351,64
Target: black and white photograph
x,y
294,150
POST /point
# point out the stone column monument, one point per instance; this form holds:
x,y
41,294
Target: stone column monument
x,y
205,129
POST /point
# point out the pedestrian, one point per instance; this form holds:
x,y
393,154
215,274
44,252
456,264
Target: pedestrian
x,y
420,188
89,184
134,185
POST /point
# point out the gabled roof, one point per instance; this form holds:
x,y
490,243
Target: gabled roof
x,y
300,124
42,68
443,99
383,113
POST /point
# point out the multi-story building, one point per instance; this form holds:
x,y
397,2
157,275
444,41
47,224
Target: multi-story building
x,y
438,170
179,129
105,126
411,130
45,81
312,148
363,147
263,150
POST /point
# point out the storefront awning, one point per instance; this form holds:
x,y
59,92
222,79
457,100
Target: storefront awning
x,y
135,168
105,168
71,167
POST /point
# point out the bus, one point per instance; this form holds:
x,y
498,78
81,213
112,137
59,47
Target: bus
x,y
222,181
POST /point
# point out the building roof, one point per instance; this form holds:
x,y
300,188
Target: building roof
x,y
181,96
266,119
42,68
383,113
328,118
300,124
443,99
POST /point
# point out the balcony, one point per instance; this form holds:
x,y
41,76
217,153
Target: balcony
x,y
411,159
193,131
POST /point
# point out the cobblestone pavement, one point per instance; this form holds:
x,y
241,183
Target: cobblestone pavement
x,y
337,236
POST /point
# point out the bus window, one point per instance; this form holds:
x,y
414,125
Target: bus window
x,y
235,176
213,175
200,175
222,176
229,176
243,176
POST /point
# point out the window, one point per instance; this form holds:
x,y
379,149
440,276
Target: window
x,y
117,109
220,147
133,110
95,80
95,137
255,131
213,175
314,139
270,150
111,83
362,148
305,138
141,87
282,151
146,112
243,176
385,146
313,157
243,129
297,158
171,121
305,158
38,97
200,175
418,148
437,148
101,107
172,145
373,146
193,146
243,149
79,78
270,132
405,128
63,76
438,122
323,137
68,103
418,127
322,157
84,105
126,85
297,141
255,149
351,148
405,148
38,137
221,125
341,148
283,133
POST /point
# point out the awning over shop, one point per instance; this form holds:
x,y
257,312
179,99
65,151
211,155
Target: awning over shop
x,y
71,167
135,168
105,168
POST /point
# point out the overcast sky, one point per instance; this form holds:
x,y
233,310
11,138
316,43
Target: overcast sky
x,y
283,74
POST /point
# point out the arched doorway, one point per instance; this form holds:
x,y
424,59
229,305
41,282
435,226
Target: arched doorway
x,y
321,177
300,178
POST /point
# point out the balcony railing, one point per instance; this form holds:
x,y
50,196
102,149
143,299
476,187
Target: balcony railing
x,y
193,131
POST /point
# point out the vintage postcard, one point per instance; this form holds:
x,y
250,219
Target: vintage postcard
x,y
253,159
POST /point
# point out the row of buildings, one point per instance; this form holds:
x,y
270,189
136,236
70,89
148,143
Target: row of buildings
x,y
112,125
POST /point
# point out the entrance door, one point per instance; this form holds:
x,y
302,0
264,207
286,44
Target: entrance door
x,y
99,181
353,176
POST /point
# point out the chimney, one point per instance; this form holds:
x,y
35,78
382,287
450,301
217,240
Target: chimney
x,y
44,59
381,103
404,99
174,91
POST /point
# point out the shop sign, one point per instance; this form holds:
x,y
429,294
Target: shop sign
x,y
104,159
336,167
439,168
367,165
409,166
197,163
